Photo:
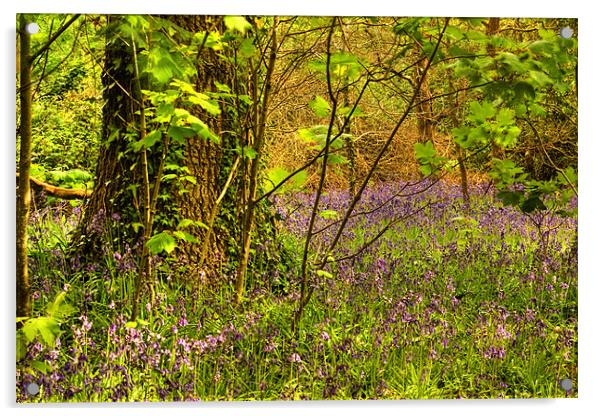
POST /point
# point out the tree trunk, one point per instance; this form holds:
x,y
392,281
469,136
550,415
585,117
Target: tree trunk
x,y
24,190
111,198
210,164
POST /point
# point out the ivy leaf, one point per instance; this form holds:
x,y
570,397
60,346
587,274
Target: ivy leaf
x,y
320,106
237,23
161,242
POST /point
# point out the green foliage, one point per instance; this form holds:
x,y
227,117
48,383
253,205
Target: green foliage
x,y
320,106
277,175
427,157
43,328
161,242
237,23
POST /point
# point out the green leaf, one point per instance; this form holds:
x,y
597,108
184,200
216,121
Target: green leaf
x,y
540,79
334,159
480,112
329,214
184,236
164,113
424,151
249,152
324,273
222,87
320,106
237,23
161,242
186,222
509,197
59,309
524,90
532,203
454,32
148,141
208,105
41,366
542,47
276,175
46,327
161,65
191,179
476,35
131,324
344,111
169,177
180,134
570,174
247,48
203,130
505,116
537,110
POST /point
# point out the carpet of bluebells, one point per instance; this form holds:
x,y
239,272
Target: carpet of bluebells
x,y
450,302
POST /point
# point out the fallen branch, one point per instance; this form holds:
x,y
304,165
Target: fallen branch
x,y
58,192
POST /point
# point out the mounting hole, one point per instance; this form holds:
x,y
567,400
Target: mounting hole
x,y
33,389
566,32
566,384
32,28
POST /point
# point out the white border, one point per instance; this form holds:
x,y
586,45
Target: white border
x,y
590,288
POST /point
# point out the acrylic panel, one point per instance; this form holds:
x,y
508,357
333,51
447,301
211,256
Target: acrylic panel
x,y
282,208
